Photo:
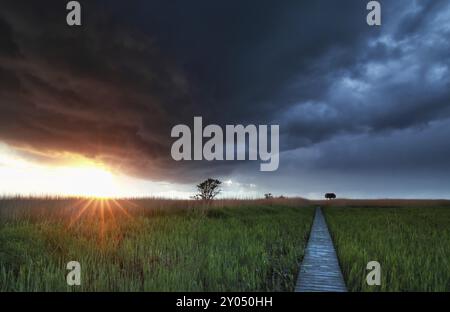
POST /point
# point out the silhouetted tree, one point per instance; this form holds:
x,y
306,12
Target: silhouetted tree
x,y
208,189
268,196
330,196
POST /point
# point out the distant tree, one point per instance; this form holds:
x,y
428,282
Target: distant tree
x,y
330,196
208,189
268,196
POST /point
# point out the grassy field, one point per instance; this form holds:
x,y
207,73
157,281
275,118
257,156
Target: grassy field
x,y
151,245
231,245
412,245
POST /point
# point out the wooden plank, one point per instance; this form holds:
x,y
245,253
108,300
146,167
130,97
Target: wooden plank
x,y
320,270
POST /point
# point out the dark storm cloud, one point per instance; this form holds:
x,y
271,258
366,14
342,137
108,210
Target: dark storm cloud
x,y
388,85
7,46
113,88
103,91
241,56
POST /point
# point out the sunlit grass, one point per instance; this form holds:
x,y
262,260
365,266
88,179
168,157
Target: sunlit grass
x,y
151,245
411,244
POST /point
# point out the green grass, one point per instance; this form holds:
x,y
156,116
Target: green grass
x,y
243,248
411,244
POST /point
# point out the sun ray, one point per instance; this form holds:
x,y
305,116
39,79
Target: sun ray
x,y
81,212
102,218
102,211
132,204
76,204
126,213
94,208
111,213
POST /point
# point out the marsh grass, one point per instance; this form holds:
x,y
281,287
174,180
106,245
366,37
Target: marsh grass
x,y
411,244
152,245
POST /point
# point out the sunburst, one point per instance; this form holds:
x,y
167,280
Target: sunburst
x,y
102,210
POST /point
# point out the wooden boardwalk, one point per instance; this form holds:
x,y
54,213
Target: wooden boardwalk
x,y
320,271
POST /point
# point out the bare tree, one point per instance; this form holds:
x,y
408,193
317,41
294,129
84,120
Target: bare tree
x,y
208,189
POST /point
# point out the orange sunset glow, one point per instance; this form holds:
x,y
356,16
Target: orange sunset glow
x,y
73,175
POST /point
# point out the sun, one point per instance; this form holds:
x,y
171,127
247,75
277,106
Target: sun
x,y
88,180
70,175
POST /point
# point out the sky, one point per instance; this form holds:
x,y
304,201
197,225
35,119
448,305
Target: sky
x,y
363,111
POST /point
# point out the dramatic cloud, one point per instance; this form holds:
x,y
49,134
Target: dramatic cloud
x,y
350,99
